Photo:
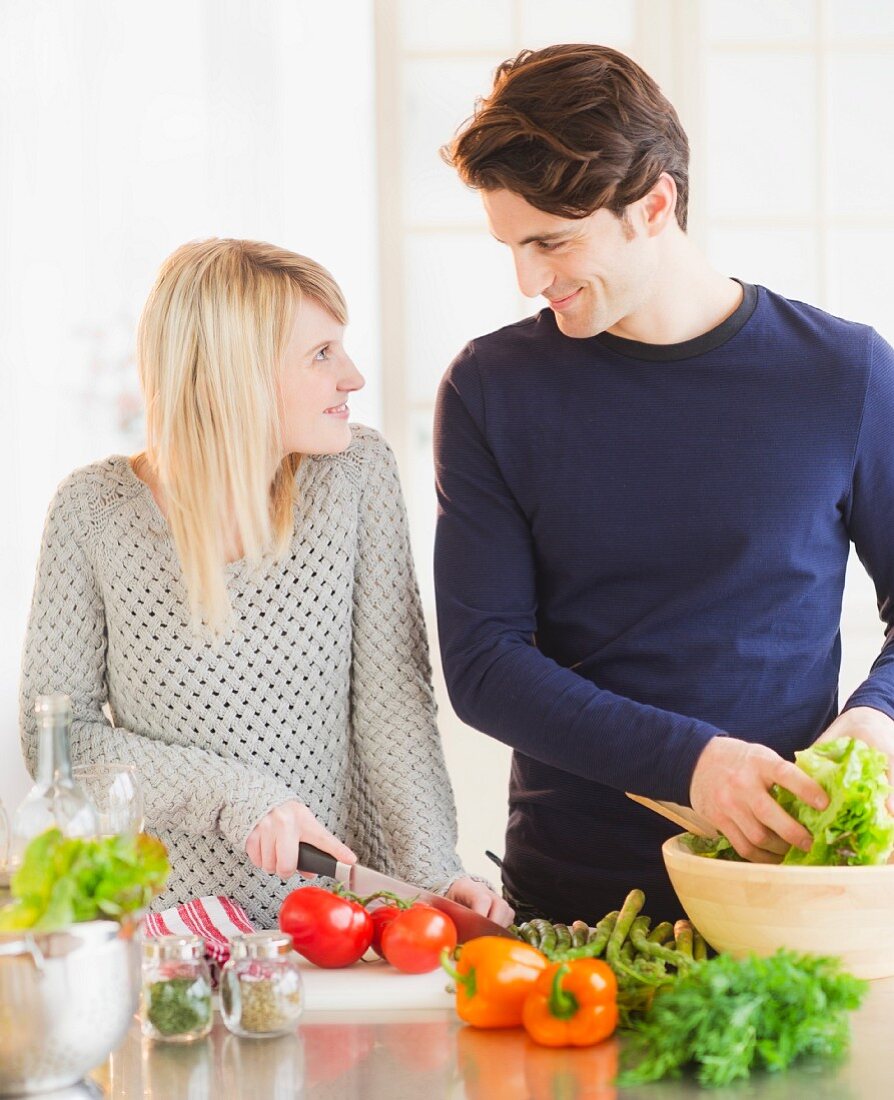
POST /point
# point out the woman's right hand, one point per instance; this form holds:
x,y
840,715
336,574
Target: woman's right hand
x,y
273,843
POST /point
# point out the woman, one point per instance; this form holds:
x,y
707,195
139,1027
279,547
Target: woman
x,y
241,597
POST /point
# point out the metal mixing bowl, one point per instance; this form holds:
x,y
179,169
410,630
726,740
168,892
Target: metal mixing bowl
x,y
66,1001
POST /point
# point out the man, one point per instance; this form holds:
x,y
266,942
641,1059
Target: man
x,y
647,494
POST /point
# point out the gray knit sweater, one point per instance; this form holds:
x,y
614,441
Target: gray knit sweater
x,y
320,693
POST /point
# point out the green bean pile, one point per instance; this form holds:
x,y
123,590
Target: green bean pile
x,y
643,958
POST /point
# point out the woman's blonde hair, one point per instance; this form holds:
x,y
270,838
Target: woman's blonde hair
x,y
210,342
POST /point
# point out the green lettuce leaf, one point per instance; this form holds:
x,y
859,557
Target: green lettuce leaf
x,y
856,827
713,847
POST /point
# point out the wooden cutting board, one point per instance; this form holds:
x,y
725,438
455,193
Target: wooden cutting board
x,y
372,985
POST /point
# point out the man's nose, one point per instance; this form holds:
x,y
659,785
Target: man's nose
x,y
533,274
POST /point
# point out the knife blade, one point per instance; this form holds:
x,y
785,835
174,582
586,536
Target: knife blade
x,y
364,880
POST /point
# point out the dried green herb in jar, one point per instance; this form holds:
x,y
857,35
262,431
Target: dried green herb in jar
x,y
178,1006
267,1005
261,986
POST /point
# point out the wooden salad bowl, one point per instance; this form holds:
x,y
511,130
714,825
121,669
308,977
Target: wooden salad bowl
x,y
757,907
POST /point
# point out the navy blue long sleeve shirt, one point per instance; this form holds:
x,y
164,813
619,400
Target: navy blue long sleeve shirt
x,y
641,546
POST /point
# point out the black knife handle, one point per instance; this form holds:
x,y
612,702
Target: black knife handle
x,y
316,861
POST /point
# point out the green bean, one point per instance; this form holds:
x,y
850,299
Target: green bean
x,y
683,937
656,951
529,934
580,932
547,935
597,940
563,937
620,963
639,930
640,927
599,936
633,903
699,947
661,933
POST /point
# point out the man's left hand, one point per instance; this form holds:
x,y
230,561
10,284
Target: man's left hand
x,y
483,900
869,725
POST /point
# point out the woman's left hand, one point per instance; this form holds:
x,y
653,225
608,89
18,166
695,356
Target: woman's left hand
x,y
482,899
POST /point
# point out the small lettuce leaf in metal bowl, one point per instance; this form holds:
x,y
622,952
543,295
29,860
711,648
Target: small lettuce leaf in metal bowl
x,y
65,880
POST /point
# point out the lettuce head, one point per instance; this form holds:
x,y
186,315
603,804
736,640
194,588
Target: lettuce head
x,y
856,827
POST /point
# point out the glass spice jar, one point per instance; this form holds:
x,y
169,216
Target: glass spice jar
x,y
175,1003
261,991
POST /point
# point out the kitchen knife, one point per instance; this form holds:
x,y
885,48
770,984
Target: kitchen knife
x,y
363,881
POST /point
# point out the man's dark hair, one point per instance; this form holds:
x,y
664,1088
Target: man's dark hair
x,y
572,129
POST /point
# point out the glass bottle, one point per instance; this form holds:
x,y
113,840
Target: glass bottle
x,y
261,991
4,837
56,800
4,855
175,1001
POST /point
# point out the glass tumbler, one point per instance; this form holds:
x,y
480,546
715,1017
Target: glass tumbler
x,y
114,790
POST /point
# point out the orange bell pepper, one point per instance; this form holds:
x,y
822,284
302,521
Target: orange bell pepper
x,y
493,975
572,1004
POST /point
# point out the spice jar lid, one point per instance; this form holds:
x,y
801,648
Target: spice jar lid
x,y
260,945
182,948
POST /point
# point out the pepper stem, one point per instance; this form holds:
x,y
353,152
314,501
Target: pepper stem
x,y
467,981
562,1004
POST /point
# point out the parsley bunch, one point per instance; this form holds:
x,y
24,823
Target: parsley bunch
x,y
728,1016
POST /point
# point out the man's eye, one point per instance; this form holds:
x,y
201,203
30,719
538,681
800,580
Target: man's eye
x,y
549,246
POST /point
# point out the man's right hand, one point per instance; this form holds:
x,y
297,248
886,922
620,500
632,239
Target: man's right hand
x,y
731,788
273,843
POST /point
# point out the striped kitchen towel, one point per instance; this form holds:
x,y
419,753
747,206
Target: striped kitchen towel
x,y
215,919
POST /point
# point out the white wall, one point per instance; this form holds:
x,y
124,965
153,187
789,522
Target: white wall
x,y
127,127
125,130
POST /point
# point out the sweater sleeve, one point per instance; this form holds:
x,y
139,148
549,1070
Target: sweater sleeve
x,y
184,788
498,680
393,709
870,518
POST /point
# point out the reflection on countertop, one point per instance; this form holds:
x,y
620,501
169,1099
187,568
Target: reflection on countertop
x,y
430,1056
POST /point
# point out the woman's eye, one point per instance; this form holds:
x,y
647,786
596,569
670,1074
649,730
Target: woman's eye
x,y
323,353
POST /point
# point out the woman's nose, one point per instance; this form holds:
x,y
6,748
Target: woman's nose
x,y
352,379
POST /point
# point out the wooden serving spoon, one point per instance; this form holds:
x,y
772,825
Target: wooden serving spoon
x,y
684,816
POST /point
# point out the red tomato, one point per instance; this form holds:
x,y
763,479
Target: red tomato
x,y
381,918
326,929
413,940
